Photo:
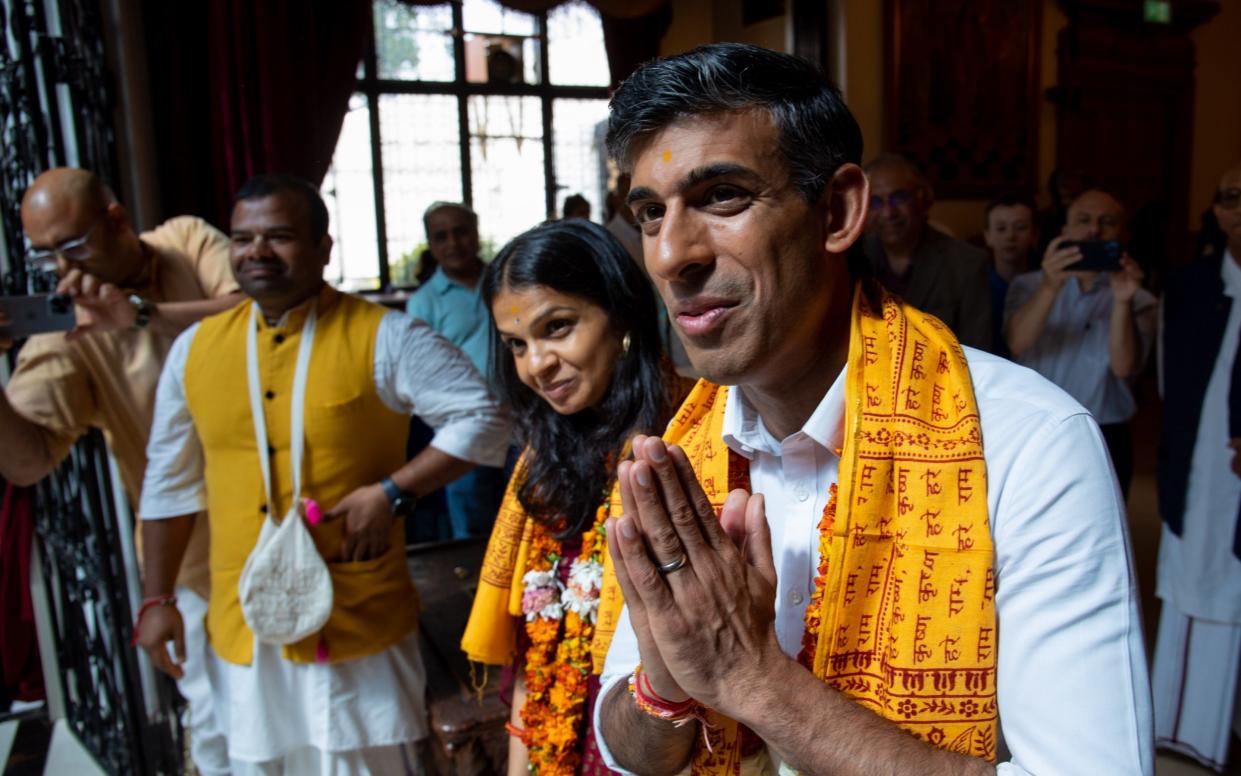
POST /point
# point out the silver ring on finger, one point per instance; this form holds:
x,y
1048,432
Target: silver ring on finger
x,y
675,565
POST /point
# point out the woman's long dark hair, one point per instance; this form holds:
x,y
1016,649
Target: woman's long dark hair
x,y
572,459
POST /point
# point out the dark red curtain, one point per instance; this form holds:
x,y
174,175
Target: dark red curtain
x,y
242,87
21,673
630,41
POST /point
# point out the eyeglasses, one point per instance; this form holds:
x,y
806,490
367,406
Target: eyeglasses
x,y
895,199
1228,198
72,250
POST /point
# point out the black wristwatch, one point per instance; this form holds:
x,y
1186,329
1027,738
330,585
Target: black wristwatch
x,y
143,310
402,503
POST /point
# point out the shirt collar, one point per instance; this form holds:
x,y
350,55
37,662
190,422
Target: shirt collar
x,y
293,318
1231,275
746,435
442,284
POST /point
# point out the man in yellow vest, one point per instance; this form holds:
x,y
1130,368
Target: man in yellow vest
x,y
332,380
887,499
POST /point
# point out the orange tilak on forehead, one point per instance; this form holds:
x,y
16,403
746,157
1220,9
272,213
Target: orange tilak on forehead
x,y
667,155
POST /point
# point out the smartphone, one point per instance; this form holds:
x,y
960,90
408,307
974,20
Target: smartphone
x,y
1097,255
37,314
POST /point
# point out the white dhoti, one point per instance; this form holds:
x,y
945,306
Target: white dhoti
x,y
1198,650
1195,685
352,718
208,746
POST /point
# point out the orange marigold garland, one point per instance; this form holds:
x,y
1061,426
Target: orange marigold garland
x,y
560,623
814,609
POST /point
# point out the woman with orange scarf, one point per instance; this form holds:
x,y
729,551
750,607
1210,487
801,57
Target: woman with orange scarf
x,y
577,355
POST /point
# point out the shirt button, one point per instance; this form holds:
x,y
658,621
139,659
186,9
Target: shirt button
x,y
263,509
795,597
802,494
279,338
270,395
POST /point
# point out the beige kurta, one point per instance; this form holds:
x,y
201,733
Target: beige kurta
x,y
107,380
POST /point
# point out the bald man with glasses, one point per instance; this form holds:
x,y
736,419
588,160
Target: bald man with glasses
x,y
133,294
933,271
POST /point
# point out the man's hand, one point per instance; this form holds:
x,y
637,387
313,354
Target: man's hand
x,y
1127,281
160,625
101,306
652,662
5,342
711,622
1054,262
1235,444
368,523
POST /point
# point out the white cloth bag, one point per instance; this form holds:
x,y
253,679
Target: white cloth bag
x,y
285,586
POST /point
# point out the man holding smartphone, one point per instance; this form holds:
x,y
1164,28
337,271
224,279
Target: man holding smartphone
x,y
134,293
1087,331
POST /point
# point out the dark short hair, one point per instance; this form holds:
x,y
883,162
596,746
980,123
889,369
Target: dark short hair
x,y
571,459
1009,199
270,184
574,202
817,133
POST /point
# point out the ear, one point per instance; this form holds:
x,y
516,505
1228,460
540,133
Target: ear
x,y
117,215
846,198
325,248
926,195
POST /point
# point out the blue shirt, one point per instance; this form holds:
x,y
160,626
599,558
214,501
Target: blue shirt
x,y
457,313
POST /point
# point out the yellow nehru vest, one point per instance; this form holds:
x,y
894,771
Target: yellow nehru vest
x,y
352,439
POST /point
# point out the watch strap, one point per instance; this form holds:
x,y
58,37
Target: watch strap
x,y
143,310
390,489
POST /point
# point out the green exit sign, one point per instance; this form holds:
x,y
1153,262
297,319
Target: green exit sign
x,y
1157,11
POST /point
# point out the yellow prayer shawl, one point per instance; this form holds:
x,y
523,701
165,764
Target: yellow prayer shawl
x,y
491,633
908,625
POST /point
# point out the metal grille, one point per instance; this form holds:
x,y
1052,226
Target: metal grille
x,y
77,525
55,107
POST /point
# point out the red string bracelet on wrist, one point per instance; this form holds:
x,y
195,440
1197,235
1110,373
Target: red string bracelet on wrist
x,y
515,731
149,603
650,703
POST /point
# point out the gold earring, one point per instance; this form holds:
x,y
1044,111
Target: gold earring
x,y
625,344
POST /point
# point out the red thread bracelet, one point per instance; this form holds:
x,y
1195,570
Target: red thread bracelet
x,y
649,700
150,603
515,731
650,703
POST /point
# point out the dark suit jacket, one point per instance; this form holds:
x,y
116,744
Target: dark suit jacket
x,y
948,280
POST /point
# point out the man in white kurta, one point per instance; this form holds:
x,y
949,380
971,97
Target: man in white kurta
x,y
1198,650
348,699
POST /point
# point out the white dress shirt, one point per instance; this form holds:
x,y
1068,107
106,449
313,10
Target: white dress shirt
x,y
417,372
1073,350
1073,691
1198,572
